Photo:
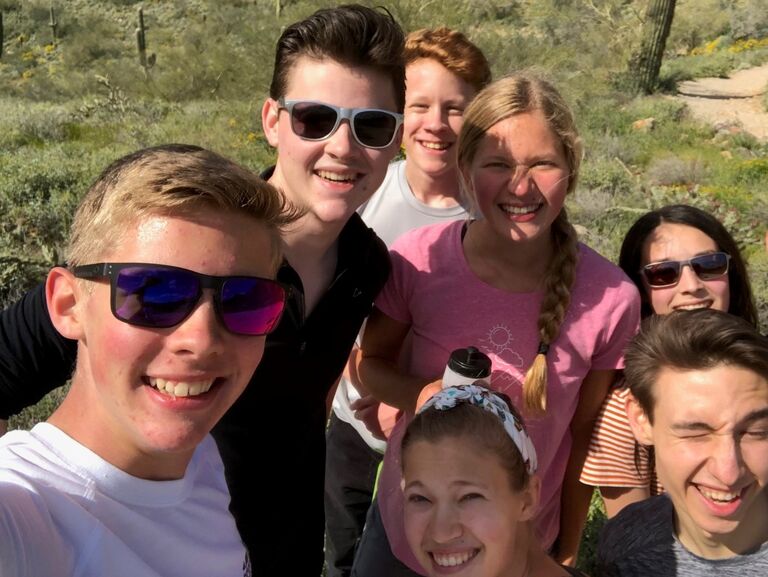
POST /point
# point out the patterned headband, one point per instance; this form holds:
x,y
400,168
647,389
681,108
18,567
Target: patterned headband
x,y
485,399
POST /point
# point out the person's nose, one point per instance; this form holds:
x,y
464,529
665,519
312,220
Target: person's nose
x,y
689,280
434,119
445,524
342,143
726,463
201,334
520,181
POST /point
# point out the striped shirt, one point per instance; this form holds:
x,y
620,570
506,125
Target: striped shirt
x,y
612,459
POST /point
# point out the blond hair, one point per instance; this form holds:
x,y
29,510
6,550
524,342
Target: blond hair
x,y
175,179
504,98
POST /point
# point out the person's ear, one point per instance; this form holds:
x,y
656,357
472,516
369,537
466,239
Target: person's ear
x,y
270,119
531,497
63,293
639,421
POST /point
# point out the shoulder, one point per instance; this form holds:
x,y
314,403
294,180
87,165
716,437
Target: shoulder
x,y
594,272
425,238
360,247
642,534
592,262
364,256
26,522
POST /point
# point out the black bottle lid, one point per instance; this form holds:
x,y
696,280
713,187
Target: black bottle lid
x,y
470,363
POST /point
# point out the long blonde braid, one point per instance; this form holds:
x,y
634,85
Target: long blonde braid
x,y
561,273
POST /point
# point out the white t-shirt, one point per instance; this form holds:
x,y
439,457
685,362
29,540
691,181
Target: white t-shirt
x,y
392,211
65,511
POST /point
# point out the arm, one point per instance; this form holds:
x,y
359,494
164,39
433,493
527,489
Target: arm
x,y
377,367
34,357
576,496
616,498
612,464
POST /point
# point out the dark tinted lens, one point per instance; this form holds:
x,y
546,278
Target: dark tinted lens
x,y
315,121
375,128
710,266
662,273
154,297
251,306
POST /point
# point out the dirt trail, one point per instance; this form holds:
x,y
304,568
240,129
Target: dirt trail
x,y
733,100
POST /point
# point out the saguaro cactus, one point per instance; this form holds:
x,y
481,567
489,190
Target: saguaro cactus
x,y
146,62
53,23
644,65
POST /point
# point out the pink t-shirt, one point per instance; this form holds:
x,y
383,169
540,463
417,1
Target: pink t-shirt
x,y
433,289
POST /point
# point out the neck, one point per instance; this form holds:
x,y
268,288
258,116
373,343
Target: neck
x,y
534,561
82,417
750,534
441,190
516,266
310,239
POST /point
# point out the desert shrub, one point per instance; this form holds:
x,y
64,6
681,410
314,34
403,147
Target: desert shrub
x,y
676,70
695,22
30,416
92,37
587,558
673,170
758,272
606,175
17,275
752,171
38,193
748,18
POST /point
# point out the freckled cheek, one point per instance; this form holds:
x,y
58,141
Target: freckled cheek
x,y
486,189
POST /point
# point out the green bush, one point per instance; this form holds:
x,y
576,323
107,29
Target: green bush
x,y
30,416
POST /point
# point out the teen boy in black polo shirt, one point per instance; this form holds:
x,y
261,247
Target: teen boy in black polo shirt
x,y
272,440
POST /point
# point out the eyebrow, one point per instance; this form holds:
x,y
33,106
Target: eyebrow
x,y
668,259
418,484
701,426
755,416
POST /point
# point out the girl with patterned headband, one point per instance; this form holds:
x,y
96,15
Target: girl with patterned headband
x,y
470,488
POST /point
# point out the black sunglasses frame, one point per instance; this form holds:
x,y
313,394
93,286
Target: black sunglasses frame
x,y
692,262
111,270
341,113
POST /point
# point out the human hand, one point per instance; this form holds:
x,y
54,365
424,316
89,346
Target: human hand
x,y
428,392
366,410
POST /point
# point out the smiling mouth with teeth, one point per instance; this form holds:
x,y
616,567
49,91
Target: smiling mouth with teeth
x,y
453,559
510,209
337,177
436,145
181,388
719,496
693,307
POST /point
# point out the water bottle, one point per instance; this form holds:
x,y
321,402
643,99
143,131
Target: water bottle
x,y
466,366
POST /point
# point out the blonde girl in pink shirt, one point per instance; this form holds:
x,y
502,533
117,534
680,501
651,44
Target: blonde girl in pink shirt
x,y
552,315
